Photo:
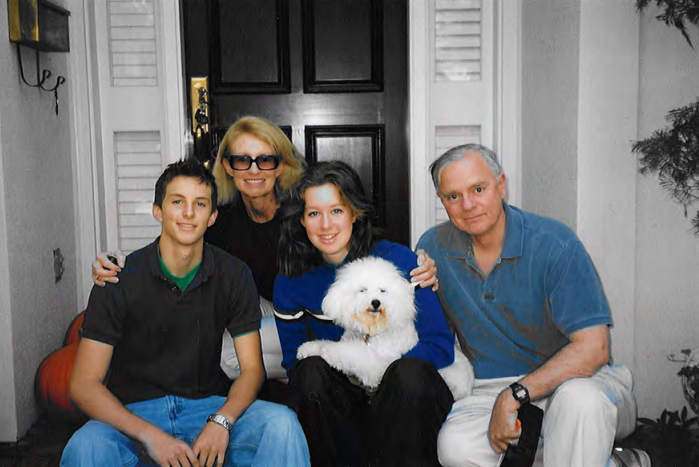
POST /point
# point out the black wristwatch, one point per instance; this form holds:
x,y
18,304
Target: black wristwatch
x,y
520,393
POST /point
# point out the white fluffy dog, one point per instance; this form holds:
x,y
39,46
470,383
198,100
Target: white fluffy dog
x,y
375,305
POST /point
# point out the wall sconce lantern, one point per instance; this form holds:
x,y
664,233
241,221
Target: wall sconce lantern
x,y
42,26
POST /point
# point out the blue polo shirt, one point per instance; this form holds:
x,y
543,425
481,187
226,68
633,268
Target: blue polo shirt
x,y
542,289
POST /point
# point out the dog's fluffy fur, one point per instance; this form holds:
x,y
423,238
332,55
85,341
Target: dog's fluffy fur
x,y
375,306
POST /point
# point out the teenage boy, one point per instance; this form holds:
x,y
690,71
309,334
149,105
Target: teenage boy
x,y
147,370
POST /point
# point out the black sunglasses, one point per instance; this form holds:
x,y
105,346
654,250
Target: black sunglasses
x,y
244,162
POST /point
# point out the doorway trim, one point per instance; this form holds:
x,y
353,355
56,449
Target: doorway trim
x,y
85,125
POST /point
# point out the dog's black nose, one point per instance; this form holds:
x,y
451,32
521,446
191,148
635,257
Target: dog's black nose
x,y
376,304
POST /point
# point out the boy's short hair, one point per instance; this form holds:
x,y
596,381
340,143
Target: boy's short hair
x,y
189,167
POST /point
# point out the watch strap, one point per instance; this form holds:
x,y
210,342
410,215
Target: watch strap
x,y
220,420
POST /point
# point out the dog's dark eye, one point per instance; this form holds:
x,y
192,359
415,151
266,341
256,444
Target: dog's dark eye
x,y
382,290
362,290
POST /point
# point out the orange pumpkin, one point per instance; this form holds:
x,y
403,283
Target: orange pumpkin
x,y
52,383
73,332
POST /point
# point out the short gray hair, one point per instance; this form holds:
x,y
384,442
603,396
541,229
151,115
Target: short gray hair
x,y
457,153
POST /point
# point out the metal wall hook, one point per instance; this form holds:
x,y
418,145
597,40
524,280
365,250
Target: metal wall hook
x,y
60,80
41,77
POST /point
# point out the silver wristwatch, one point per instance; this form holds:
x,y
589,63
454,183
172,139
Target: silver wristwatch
x,y
220,420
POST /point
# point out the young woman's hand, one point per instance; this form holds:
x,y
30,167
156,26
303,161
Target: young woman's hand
x,y
104,270
426,271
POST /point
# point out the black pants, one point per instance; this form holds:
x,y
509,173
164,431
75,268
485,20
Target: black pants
x,y
396,426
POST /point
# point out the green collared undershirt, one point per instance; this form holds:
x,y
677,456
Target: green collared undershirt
x,y
180,282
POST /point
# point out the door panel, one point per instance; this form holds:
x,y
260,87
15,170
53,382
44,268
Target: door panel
x,y
342,46
332,74
354,142
249,46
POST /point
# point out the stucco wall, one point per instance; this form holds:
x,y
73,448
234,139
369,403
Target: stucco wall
x,y
37,207
550,36
622,75
667,295
607,122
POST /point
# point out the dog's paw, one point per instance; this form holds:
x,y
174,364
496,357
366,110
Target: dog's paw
x,y
309,349
370,375
370,381
459,375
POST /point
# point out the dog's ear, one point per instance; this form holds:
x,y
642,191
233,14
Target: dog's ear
x,y
333,300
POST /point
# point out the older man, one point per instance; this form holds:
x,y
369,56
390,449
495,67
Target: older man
x,y
529,310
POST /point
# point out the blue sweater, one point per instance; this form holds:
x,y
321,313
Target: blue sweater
x,y
297,300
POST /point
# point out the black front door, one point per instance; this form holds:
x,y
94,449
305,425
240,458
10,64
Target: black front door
x,y
331,73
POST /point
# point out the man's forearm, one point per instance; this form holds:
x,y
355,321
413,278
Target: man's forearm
x,y
582,357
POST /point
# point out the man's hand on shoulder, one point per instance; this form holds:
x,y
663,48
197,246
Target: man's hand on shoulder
x,y
503,427
167,450
211,445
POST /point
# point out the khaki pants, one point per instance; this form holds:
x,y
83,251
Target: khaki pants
x,y
581,420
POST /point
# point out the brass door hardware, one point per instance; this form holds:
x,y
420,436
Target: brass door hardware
x,y
199,94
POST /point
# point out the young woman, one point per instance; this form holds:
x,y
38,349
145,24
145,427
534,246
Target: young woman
x,y
327,222
255,169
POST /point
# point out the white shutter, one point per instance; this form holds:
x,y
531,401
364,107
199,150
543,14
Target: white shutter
x,y
458,40
141,107
461,89
132,43
464,88
138,168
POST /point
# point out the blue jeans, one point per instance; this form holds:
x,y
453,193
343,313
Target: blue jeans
x,y
266,435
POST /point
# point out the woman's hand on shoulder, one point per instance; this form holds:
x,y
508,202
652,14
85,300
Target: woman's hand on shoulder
x,y
104,270
426,271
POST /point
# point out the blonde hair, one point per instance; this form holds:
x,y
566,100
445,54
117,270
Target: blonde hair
x,y
294,163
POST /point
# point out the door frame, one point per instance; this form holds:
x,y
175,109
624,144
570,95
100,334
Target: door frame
x,y
82,80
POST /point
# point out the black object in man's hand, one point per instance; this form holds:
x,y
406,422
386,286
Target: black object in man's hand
x,y
523,453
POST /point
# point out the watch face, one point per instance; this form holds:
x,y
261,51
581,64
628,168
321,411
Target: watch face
x,y
520,393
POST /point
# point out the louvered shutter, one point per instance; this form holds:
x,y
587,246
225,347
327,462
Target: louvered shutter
x,y
138,168
134,46
132,43
462,81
